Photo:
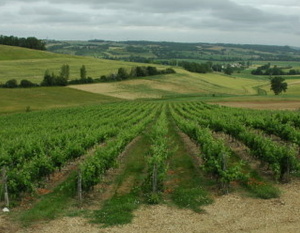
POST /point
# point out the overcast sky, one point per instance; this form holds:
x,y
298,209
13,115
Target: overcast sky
x,y
273,22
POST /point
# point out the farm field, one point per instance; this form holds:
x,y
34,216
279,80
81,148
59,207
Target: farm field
x,y
175,85
195,155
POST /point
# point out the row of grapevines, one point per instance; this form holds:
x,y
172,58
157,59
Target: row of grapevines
x,y
281,159
158,154
215,154
283,124
44,141
269,125
104,158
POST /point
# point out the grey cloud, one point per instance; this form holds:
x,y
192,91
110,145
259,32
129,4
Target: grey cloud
x,y
120,17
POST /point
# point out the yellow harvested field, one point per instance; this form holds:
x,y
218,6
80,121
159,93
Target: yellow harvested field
x,y
183,82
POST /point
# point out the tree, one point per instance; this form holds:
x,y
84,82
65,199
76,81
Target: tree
x,y
26,83
65,72
278,85
83,72
11,83
122,74
228,70
49,80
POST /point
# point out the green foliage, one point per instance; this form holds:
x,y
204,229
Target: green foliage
x,y
260,188
191,198
65,72
12,83
157,161
93,167
281,159
196,67
267,70
29,42
278,85
66,138
117,211
26,83
53,80
83,72
122,74
228,70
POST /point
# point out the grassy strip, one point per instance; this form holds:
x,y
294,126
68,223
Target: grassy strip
x,y
51,205
258,187
186,185
127,198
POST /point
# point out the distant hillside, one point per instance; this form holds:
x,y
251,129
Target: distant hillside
x,y
18,53
20,63
149,51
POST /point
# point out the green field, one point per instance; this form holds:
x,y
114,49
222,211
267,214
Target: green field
x,y
21,100
20,63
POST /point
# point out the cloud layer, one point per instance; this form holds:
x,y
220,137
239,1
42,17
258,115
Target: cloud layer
x,y
228,21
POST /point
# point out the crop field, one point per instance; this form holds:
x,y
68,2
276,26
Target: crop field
x,y
181,83
180,154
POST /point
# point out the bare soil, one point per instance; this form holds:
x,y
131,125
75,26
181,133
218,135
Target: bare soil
x,y
229,213
268,105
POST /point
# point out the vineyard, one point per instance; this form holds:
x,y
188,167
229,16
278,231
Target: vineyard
x,y
35,145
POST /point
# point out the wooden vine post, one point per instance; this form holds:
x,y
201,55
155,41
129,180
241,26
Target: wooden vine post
x,y
4,181
224,168
79,186
154,179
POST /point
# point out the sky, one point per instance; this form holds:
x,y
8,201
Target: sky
x,y
270,22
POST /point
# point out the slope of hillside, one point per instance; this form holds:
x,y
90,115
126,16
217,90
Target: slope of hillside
x,y
31,99
18,53
176,85
20,63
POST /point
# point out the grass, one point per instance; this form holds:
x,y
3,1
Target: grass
x,y
258,187
17,53
50,206
119,208
20,63
188,186
24,99
176,85
117,211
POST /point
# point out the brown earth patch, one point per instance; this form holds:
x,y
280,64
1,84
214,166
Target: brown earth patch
x,y
229,213
268,105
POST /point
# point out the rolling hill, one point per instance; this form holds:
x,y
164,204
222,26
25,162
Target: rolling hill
x,y
20,63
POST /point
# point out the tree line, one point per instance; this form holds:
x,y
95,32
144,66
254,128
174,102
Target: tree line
x,y
29,42
268,70
208,67
62,79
